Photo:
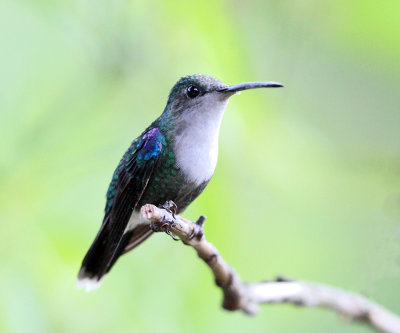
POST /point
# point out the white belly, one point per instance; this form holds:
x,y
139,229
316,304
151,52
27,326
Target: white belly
x,y
197,160
135,219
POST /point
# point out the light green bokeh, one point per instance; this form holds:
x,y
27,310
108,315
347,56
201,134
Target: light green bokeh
x,y
308,181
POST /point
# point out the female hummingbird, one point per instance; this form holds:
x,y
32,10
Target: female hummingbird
x,y
173,159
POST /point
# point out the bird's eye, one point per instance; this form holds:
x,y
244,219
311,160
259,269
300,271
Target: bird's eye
x,y
193,91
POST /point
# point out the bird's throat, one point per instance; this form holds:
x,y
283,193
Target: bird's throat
x,y
196,144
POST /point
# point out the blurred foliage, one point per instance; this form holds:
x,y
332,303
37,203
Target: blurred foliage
x,y
308,178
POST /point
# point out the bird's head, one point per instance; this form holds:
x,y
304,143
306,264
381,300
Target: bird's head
x,y
194,94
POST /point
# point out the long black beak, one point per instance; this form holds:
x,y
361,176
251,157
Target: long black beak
x,y
250,85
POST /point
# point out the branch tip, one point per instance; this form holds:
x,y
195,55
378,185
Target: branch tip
x,y
200,221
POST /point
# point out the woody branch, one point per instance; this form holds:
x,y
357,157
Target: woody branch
x,y
247,297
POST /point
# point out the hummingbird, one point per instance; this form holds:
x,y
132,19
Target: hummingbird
x,y
173,159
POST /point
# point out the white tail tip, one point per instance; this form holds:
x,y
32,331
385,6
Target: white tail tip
x,y
89,284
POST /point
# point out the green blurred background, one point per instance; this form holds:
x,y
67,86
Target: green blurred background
x,y
308,180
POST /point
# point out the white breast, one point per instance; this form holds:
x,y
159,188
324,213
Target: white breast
x,y
196,148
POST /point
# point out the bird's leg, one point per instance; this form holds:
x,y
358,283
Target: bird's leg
x,y
165,224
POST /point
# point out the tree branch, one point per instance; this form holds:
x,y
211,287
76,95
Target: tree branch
x,y
246,297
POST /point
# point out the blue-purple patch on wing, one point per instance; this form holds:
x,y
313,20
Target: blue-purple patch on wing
x,y
151,144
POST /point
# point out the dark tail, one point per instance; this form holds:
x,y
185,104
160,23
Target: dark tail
x,y
95,263
105,251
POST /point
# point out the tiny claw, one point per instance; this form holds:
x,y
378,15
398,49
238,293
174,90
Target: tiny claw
x,y
173,236
173,207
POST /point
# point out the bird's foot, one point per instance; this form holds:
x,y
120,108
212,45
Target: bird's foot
x,y
166,224
163,226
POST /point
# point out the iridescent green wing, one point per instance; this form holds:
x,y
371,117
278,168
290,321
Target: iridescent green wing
x,y
127,187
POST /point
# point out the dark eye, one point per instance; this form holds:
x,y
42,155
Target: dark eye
x,y
193,91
